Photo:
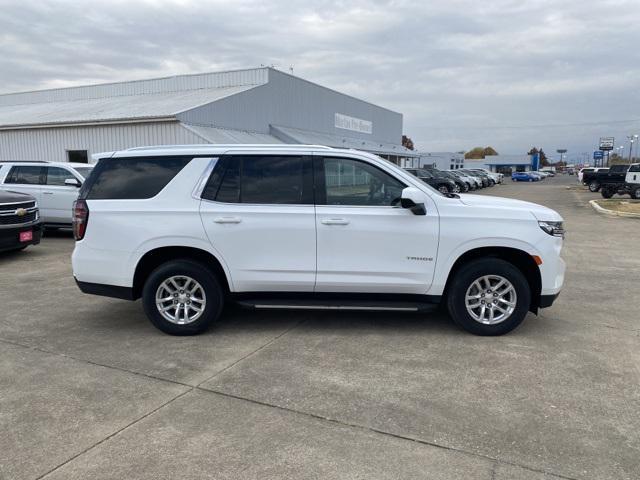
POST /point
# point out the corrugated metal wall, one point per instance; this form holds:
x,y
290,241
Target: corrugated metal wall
x,y
52,143
255,76
292,102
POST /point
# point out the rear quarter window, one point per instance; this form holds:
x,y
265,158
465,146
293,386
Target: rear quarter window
x,y
131,178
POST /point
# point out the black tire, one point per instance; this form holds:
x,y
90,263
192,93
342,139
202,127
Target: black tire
x,y
606,192
471,272
210,284
635,193
594,186
492,183
443,188
467,187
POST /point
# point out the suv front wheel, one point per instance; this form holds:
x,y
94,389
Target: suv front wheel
x,y
489,296
182,297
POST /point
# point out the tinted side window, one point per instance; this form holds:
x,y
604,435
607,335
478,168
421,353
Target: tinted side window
x,y
25,175
634,168
229,191
351,182
56,176
261,179
131,178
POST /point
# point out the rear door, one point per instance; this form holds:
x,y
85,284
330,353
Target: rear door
x,y
366,242
259,215
58,198
25,179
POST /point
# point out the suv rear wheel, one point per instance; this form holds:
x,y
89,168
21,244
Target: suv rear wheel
x,y
489,296
182,297
594,186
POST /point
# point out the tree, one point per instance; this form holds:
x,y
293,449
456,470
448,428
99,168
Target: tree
x,y
479,152
489,151
543,157
407,142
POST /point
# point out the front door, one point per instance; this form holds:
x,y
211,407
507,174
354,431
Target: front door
x,y
367,243
259,215
58,198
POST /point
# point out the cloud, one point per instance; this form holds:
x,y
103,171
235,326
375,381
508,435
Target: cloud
x,y
507,73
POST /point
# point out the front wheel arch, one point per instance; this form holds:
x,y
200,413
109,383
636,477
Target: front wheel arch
x,y
519,258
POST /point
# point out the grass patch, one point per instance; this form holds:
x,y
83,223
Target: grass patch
x,y
621,205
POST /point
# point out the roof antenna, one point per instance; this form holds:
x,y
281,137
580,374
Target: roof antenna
x,y
291,69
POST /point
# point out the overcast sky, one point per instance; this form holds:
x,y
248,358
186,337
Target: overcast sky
x,y
506,73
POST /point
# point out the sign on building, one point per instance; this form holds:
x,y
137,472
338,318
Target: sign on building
x,y
598,155
354,124
606,143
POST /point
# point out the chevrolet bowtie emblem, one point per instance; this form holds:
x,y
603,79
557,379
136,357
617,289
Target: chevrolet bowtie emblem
x,y
21,212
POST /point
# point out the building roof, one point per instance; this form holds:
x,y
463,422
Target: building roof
x,y
146,106
224,135
318,138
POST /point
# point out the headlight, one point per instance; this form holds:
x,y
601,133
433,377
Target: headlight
x,y
552,228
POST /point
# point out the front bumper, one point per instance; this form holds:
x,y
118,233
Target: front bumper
x,y
10,237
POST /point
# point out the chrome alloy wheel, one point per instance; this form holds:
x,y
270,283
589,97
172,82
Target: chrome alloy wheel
x,y
181,300
443,189
491,299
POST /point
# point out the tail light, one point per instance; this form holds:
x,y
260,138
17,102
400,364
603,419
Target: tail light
x,y
80,218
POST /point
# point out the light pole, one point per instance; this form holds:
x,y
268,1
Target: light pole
x,y
635,137
631,138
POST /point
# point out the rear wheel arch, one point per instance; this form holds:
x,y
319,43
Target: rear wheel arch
x,y
519,258
158,256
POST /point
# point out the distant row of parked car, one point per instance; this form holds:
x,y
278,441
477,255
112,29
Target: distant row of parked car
x,y
456,181
530,176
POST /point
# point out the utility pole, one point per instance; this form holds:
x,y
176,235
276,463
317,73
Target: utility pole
x,y
631,140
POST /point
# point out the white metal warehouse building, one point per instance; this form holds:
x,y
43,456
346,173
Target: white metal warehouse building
x,y
261,105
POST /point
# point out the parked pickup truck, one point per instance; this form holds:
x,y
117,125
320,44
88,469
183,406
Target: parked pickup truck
x,y
630,184
588,176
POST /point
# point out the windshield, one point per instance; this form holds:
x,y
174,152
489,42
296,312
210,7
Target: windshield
x,y
84,171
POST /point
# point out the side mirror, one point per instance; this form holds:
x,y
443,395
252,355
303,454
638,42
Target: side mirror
x,y
413,199
72,182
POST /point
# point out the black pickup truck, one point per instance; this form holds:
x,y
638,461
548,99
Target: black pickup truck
x,y
589,177
623,183
613,175
19,221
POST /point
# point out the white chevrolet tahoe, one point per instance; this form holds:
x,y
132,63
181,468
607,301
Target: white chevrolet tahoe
x,y
188,228
54,185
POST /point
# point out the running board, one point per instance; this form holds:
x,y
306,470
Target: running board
x,y
343,305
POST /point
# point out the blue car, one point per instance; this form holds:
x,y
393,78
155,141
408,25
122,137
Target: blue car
x,y
524,177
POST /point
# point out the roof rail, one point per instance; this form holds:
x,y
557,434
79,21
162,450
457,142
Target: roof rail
x,y
273,146
24,161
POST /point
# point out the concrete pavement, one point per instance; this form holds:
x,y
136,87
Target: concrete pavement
x,y
89,389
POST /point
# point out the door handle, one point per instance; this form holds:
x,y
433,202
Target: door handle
x,y
227,220
47,193
335,221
